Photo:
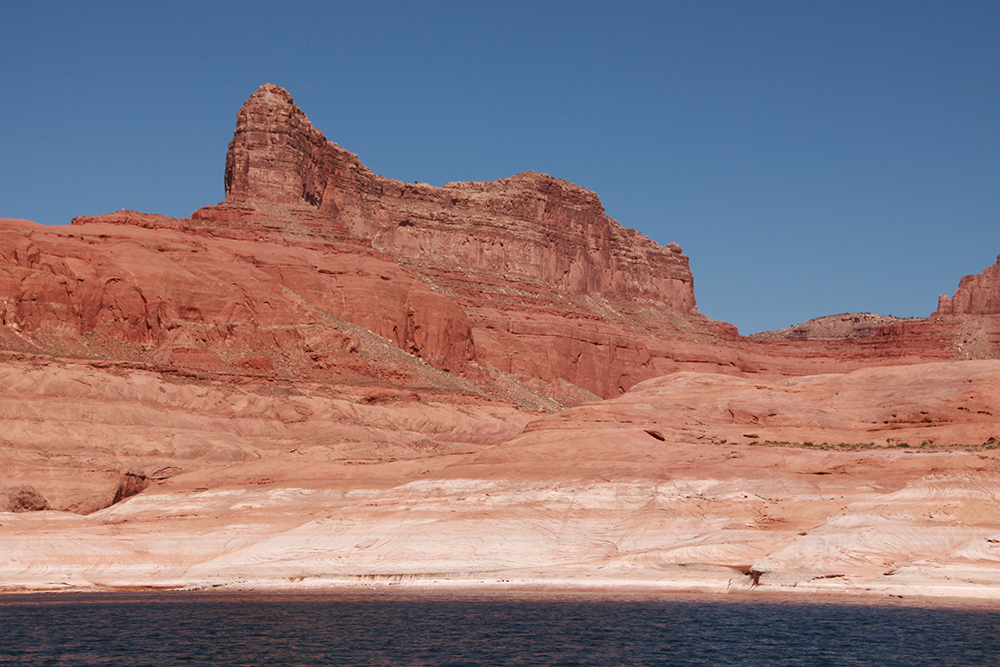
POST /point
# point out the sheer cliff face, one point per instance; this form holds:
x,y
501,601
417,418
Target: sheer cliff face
x,y
527,227
978,294
276,151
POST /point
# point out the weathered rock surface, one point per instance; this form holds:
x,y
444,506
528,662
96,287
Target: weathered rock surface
x,y
964,326
541,271
559,295
530,226
335,378
847,326
522,287
972,315
183,296
659,488
79,436
976,295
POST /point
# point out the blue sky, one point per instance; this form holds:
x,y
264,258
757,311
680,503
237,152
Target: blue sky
x,y
812,158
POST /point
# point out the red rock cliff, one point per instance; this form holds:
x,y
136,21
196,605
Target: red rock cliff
x,y
976,295
514,288
529,226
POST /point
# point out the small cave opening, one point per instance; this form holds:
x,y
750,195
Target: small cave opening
x,y
131,484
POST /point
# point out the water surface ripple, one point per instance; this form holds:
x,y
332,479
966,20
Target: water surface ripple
x,y
382,628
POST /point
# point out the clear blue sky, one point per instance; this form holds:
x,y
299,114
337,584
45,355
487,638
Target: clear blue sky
x,y
811,157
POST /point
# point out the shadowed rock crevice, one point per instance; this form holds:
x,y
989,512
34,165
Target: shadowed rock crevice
x,y
23,498
131,484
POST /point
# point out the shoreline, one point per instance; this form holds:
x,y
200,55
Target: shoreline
x,y
487,585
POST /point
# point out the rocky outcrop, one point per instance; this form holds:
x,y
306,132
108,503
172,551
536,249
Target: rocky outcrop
x,y
22,498
140,287
848,326
878,482
81,435
270,291
529,226
521,286
976,295
334,378
276,155
559,295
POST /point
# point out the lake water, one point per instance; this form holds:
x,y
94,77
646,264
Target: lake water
x,y
390,628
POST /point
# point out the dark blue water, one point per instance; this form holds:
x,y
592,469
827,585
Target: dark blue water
x,y
161,629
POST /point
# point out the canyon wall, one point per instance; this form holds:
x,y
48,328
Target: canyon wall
x,y
333,378
521,286
529,226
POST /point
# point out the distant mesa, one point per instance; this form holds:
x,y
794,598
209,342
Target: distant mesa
x,y
977,294
846,326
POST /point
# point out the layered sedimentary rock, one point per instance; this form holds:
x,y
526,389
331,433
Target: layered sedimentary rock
x,y
559,295
532,260
79,436
972,315
562,299
964,326
147,288
522,282
977,294
879,481
335,378
847,326
528,226
522,287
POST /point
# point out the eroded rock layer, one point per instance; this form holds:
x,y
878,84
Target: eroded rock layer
x,y
881,481
333,378
528,226
521,283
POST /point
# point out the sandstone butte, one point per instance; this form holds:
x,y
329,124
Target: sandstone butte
x,y
335,379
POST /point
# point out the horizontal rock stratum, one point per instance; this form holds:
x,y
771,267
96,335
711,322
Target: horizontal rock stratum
x,y
529,226
880,481
333,378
